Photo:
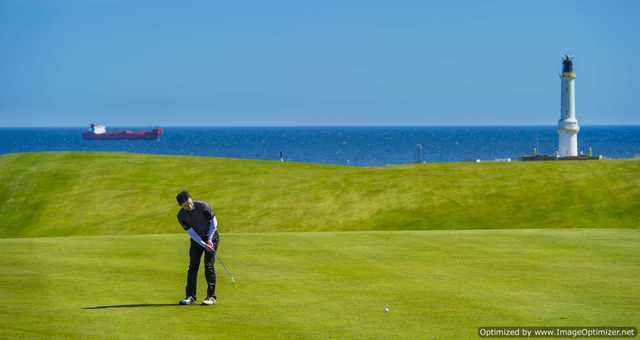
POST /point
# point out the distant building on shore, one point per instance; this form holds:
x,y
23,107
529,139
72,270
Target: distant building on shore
x,y
568,127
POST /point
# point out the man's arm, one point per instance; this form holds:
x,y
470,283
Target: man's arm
x,y
194,236
213,226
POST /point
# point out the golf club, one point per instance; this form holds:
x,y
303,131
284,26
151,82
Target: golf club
x,y
233,279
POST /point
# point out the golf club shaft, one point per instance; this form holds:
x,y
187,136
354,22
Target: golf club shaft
x,y
226,269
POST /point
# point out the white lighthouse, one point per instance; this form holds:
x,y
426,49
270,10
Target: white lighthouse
x,y
568,125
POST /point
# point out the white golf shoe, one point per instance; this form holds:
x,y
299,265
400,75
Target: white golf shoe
x,y
189,300
209,301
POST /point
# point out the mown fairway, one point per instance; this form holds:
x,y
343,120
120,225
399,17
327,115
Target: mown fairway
x,y
438,284
67,194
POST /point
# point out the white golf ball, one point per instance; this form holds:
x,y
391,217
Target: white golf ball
x,y
386,309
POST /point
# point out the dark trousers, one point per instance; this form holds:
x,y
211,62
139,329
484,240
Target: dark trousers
x,y
195,253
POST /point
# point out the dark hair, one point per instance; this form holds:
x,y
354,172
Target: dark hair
x,y
182,197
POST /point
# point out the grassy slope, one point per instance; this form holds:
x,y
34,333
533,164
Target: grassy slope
x,y
57,194
438,284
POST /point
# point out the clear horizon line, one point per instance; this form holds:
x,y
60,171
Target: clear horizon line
x,y
313,126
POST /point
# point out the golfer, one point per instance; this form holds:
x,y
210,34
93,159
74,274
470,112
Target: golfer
x,y
199,221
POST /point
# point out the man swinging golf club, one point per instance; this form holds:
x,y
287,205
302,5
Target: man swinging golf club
x,y
199,221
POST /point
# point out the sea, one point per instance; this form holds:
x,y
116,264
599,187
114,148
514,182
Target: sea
x,y
355,146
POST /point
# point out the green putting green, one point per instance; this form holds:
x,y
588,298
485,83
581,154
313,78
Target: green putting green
x,y
437,284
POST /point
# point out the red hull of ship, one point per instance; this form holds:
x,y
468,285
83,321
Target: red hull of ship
x,y
154,134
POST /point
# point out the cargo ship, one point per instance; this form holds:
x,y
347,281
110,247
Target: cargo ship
x,y
97,131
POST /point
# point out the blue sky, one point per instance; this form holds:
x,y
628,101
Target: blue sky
x,y
213,63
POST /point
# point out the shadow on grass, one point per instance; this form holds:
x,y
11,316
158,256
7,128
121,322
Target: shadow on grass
x,y
135,305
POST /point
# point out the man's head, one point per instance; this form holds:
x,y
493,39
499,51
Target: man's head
x,y
184,200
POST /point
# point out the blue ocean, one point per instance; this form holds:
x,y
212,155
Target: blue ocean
x,y
357,146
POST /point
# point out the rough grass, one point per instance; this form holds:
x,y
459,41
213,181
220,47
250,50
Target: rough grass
x,y
437,284
68,193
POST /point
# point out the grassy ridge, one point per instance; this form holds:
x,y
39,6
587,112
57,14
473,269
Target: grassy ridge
x,y
58,194
437,284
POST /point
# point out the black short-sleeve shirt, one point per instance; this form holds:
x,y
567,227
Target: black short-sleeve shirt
x,y
199,218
